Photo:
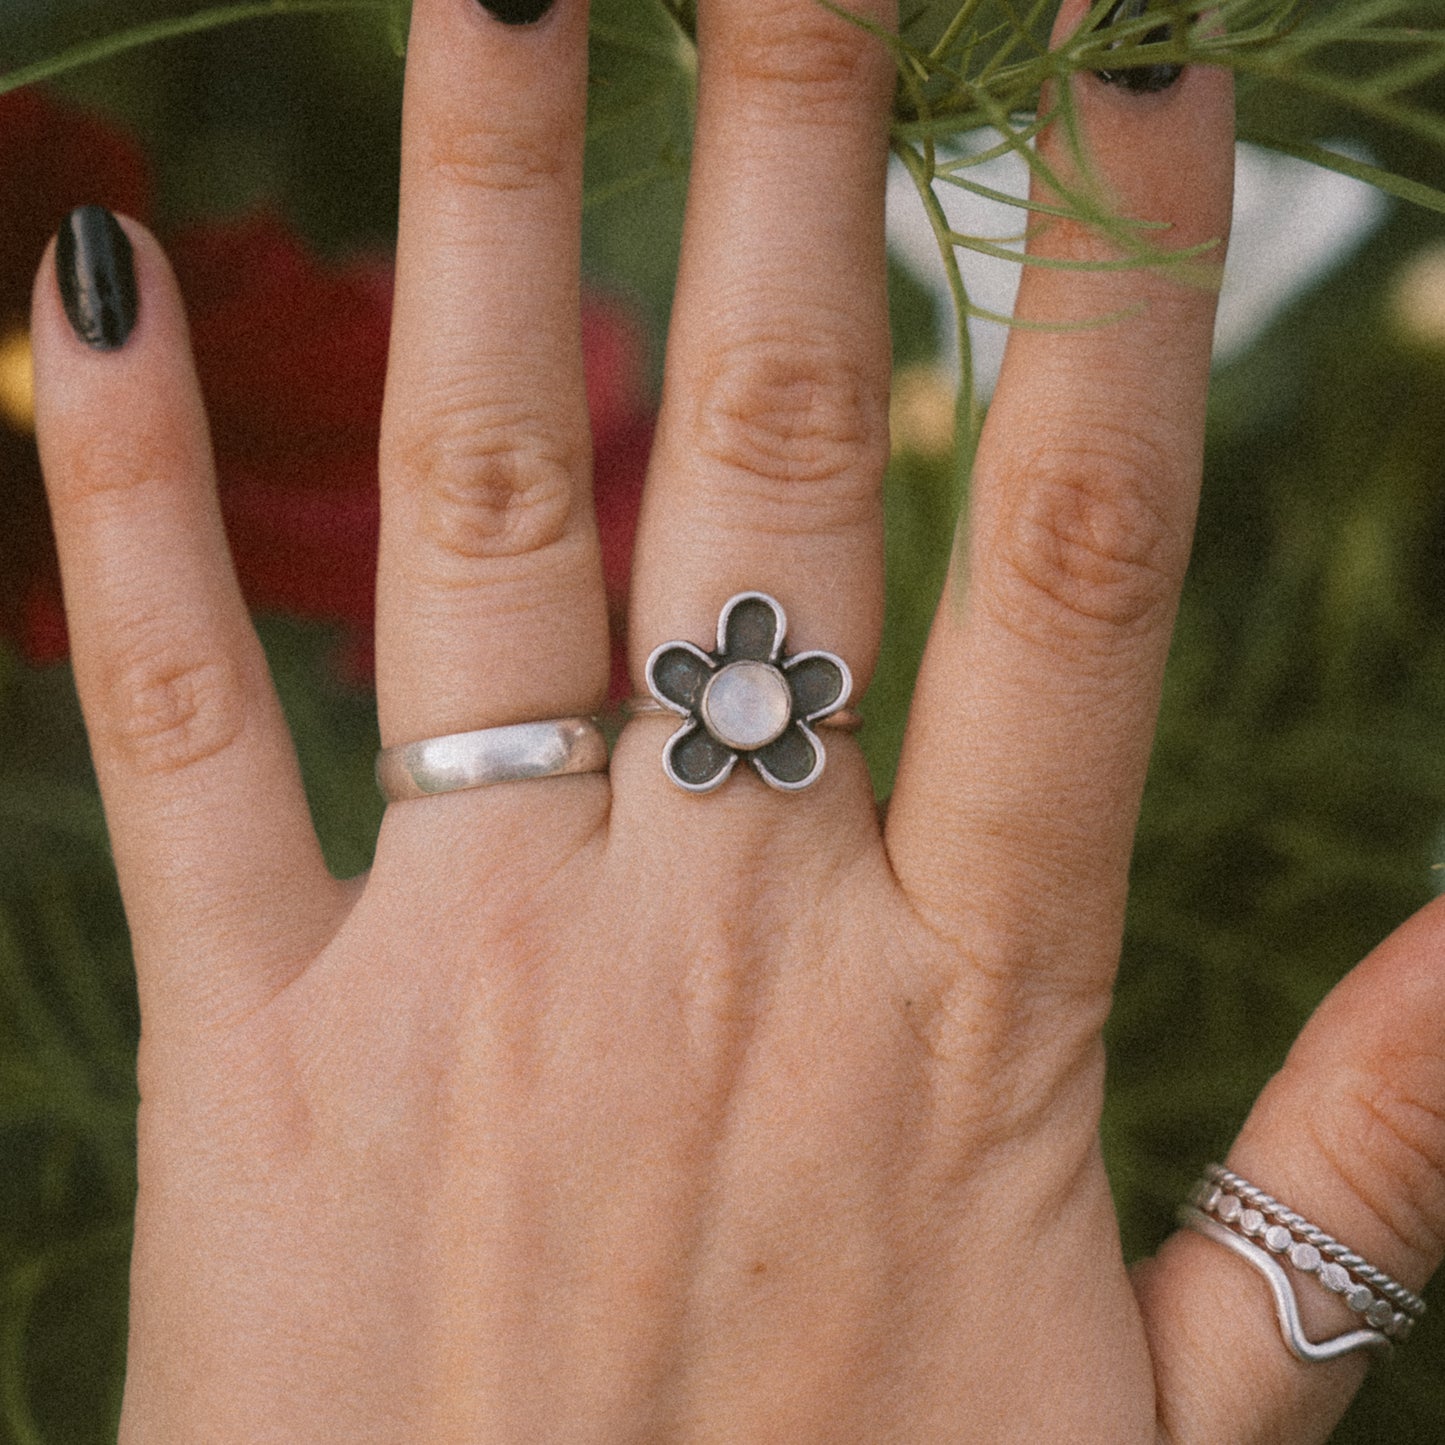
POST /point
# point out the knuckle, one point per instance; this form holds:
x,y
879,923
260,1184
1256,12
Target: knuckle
x,y
1085,546
107,472
801,427
481,504
819,60
1002,1049
165,706
491,487
495,160
1382,1130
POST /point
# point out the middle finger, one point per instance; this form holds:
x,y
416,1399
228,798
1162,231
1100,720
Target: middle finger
x,y
773,434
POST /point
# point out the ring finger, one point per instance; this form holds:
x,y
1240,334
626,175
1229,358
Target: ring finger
x,y
490,604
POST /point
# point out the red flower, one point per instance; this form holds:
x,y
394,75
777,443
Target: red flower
x,y
614,354
291,353
52,158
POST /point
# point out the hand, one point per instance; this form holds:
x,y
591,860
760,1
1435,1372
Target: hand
x,y
602,1111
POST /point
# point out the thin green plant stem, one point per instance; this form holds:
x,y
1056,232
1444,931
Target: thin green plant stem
x,y
1370,35
1022,203
1327,30
1406,74
1122,231
954,29
967,413
1070,263
92,52
1020,34
1011,143
1335,88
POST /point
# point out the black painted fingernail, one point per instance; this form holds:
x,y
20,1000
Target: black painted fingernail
x,y
516,12
95,266
1140,79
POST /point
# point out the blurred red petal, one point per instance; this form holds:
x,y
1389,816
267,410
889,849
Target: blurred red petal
x,y
618,468
55,156
291,350
308,550
291,353
44,637
614,357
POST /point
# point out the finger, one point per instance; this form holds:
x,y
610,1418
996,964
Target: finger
x,y
1032,720
225,889
490,600
772,436
1351,1135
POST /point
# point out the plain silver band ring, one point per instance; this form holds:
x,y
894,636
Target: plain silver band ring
x,y
491,755
844,720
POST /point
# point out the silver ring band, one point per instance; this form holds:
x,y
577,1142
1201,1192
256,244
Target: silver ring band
x,y
491,755
845,720
1285,1305
1227,1181
1269,1235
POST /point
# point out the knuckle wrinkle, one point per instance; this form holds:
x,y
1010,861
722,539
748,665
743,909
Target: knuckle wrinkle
x,y
498,161
166,709
820,56
108,474
483,498
1384,1134
1085,540
803,429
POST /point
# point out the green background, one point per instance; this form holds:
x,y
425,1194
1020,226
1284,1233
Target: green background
x,y
1297,795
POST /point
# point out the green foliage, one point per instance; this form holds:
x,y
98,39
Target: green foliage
x,y
642,80
108,47
1297,798
986,66
67,1098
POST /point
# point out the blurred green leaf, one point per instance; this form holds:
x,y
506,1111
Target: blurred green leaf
x,y
107,47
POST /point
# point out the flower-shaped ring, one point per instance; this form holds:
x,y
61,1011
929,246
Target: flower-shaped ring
x,y
748,699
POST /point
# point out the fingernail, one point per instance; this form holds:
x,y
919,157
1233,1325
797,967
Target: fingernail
x,y
516,12
1140,79
95,266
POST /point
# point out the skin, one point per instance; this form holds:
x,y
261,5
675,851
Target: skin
x,y
603,1112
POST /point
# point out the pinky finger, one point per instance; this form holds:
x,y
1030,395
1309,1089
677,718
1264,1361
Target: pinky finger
x,y
1350,1134
224,885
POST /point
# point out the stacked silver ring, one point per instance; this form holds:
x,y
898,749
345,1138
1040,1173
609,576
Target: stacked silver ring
x,y
1256,1226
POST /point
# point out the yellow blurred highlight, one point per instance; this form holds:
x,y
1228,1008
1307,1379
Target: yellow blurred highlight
x,y
920,411
1418,300
17,381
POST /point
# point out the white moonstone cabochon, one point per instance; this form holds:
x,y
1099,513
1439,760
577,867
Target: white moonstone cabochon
x,y
747,704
